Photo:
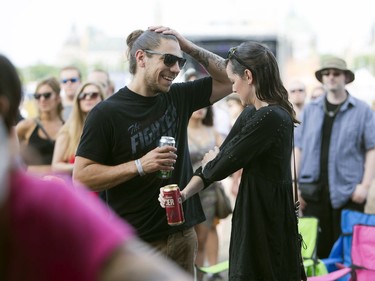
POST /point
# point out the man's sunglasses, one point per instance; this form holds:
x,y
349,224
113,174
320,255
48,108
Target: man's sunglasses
x,y
232,54
46,96
72,80
333,72
169,59
91,95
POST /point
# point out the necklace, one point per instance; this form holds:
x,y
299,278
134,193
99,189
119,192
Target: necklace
x,y
331,113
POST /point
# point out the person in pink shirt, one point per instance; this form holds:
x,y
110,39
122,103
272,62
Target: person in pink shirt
x,y
50,230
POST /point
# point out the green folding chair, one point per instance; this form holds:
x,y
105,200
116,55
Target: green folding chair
x,y
214,269
309,229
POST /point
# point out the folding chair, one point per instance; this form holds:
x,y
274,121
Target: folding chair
x,y
214,269
341,250
309,229
362,267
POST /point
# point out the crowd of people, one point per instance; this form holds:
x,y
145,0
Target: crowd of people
x,y
94,139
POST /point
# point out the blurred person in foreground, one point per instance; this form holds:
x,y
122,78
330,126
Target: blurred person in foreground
x,y
335,152
119,154
264,243
50,231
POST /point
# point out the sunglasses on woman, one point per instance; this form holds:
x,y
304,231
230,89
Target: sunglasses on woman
x,y
46,96
169,59
91,95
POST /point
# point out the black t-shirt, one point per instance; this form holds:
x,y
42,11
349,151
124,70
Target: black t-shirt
x,y
326,139
125,127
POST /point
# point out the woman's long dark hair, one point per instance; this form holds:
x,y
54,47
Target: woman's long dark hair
x,y
208,120
259,59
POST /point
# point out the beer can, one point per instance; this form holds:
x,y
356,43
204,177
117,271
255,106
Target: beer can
x,y
173,204
166,140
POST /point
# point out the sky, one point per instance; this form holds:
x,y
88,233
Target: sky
x,y
33,30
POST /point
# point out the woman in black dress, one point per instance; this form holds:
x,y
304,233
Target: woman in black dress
x,y
264,240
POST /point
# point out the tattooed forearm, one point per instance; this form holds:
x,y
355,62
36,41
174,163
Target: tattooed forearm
x,y
205,58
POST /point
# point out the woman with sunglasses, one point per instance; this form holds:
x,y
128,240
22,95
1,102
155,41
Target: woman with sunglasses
x,y
87,96
264,241
37,135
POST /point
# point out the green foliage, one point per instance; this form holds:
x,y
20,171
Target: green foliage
x,y
365,61
38,72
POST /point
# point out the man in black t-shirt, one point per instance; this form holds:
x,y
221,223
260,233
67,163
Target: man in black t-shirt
x,y
126,128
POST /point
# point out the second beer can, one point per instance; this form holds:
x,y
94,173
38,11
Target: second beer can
x,y
173,204
166,140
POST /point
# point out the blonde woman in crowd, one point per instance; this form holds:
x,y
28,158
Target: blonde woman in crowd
x,y
37,135
87,96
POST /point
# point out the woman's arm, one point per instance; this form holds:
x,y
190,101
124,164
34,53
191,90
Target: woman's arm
x,y
24,129
194,186
59,163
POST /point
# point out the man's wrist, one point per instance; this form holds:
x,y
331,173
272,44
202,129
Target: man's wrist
x,y
140,170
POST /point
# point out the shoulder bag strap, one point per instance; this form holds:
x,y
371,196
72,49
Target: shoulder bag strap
x,y
295,186
296,210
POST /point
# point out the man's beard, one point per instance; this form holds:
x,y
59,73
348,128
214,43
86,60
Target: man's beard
x,y
154,86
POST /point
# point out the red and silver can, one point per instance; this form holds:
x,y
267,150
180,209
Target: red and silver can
x,y
173,204
165,140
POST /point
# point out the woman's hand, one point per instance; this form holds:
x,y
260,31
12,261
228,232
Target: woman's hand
x,y
209,156
161,197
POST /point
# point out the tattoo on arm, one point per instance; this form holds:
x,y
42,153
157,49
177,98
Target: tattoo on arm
x,y
204,57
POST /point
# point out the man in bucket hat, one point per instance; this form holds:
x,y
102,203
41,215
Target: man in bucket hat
x,y
335,152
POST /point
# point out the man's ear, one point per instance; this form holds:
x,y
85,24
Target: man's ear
x,y
140,57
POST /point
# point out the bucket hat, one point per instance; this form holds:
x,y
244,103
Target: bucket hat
x,y
335,63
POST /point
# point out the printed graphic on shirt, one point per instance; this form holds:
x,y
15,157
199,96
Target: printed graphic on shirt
x,y
143,137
